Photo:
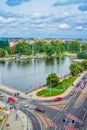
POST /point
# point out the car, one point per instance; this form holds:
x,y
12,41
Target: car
x,y
72,93
1,94
23,104
40,109
5,100
83,86
57,99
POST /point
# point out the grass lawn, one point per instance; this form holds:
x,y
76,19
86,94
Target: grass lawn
x,y
63,85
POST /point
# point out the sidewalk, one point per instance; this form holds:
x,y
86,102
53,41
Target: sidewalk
x,y
19,123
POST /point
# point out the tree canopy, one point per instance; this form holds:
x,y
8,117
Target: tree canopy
x,y
23,48
75,68
52,80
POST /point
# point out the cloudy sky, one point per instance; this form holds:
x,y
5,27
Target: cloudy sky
x,y
43,18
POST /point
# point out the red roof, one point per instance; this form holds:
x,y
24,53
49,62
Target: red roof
x,y
11,99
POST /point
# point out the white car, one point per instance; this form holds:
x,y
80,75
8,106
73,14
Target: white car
x,y
72,93
1,94
23,104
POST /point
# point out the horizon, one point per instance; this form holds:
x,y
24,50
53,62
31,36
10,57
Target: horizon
x,y
44,19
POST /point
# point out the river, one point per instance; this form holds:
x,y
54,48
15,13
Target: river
x,y
26,76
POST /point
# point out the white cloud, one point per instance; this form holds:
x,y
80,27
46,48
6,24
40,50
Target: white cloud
x,y
6,20
79,27
63,26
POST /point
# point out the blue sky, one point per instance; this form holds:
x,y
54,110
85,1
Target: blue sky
x,y
43,18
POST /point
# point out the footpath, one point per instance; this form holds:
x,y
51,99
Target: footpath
x,y
19,122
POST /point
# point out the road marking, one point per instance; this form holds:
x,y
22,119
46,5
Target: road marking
x,y
78,89
69,128
72,117
57,108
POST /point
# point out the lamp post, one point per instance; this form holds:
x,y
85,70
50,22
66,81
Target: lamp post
x,y
27,121
50,87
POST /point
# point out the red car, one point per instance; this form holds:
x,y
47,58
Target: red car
x,y
57,99
39,109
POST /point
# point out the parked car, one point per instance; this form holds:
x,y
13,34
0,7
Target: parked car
x,y
23,104
57,99
40,109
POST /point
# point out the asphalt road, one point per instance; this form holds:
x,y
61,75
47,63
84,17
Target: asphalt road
x,y
58,118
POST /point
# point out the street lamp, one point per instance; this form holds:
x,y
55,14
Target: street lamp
x,y
50,87
27,121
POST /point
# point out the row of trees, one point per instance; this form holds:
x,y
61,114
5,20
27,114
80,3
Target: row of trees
x,y
50,48
53,47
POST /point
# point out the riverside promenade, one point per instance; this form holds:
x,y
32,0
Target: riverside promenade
x,y
33,92
71,88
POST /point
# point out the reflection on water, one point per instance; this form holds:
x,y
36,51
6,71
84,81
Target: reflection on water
x,y
32,73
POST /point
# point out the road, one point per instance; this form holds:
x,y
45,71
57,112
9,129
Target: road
x,y
62,115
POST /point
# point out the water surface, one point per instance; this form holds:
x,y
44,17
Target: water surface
x,y
26,76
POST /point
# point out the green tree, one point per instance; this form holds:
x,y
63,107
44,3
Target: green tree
x,y
38,47
75,68
23,48
8,50
57,47
52,80
84,47
4,43
84,64
2,52
74,46
48,49
82,55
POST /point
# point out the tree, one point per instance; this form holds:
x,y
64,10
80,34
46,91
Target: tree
x,y
84,64
74,46
38,47
75,68
2,52
13,49
48,49
82,55
23,48
4,43
84,47
8,50
52,80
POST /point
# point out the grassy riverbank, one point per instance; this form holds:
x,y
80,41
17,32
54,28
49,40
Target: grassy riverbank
x,y
63,86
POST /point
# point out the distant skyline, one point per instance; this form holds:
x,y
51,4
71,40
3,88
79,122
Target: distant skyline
x,y
43,18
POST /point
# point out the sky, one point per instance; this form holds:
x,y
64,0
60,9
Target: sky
x,y
43,18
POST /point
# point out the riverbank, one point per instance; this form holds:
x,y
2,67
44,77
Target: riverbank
x,y
37,56
33,95
78,60
65,93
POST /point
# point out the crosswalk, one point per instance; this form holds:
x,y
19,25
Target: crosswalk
x,y
52,124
